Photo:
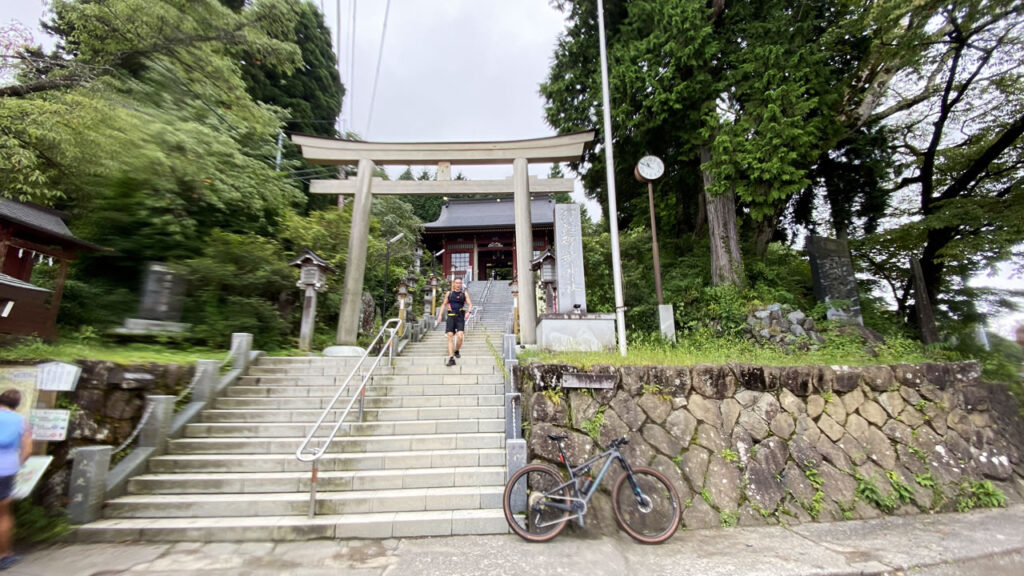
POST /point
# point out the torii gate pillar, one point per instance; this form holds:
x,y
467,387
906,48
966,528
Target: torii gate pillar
x,y
524,252
355,266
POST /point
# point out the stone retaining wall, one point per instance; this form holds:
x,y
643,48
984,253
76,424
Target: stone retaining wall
x,y
750,445
105,407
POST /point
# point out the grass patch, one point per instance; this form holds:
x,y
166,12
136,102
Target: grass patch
x,y
593,426
36,350
704,347
35,526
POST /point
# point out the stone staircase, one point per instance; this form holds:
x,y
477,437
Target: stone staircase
x,y
427,460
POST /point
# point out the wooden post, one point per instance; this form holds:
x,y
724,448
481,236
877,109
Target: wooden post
x,y
923,306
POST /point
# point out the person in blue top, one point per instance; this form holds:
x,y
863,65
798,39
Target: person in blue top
x,y
15,448
459,306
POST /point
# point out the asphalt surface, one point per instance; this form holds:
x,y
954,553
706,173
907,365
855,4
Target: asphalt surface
x,y
989,542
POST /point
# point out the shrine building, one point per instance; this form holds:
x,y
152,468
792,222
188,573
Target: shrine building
x,y
478,235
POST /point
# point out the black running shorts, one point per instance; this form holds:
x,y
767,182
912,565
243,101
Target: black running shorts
x,y
456,323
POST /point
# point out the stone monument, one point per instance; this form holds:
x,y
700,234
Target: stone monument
x,y
569,326
834,278
162,302
572,286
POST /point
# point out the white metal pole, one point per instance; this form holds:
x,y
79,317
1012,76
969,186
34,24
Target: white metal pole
x,y
613,212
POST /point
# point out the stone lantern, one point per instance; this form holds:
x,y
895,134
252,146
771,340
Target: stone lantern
x,y
403,305
513,287
312,279
545,263
434,282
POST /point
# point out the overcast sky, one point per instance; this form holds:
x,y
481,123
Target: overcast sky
x,y
452,70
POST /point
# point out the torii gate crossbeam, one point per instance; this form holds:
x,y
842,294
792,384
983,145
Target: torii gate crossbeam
x,y
519,153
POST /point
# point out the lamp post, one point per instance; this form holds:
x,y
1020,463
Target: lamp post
x,y
609,165
312,280
434,255
387,270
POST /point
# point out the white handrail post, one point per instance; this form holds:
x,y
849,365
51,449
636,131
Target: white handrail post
x,y
206,383
241,343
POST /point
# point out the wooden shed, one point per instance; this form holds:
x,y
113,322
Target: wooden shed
x,y
31,235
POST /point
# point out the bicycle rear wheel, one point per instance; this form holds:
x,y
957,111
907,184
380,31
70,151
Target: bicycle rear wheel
x,y
527,497
646,506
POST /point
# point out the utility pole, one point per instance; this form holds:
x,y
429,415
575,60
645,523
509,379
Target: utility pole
x,y
613,212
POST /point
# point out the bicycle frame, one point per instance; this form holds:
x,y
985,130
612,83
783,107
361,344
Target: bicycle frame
x,y
578,502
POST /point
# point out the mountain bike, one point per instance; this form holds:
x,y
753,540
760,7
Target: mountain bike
x,y
539,499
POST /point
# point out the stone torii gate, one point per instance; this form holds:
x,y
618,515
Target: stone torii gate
x,y
367,155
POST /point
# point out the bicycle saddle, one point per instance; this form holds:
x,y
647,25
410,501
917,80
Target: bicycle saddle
x,y
556,437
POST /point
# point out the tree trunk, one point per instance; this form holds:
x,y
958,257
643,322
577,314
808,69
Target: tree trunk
x,y
726,263
765,230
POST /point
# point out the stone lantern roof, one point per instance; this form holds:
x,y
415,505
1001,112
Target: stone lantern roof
x,y
309,257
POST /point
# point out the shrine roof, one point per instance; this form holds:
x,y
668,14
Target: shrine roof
x,y
13,282
46,223
490,213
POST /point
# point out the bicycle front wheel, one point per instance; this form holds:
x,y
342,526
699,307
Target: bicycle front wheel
x,y
528,500
646,506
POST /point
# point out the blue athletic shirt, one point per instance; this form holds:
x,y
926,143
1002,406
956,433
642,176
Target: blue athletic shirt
x,y
12,426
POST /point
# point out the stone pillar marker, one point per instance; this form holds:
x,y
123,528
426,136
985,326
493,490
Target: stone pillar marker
x,y
88,487
572,285
524,252
834,278
312,279
355,267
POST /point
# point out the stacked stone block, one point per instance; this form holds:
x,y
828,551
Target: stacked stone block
x,y
750,445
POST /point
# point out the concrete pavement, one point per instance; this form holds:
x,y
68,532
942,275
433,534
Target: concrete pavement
x,y
979,542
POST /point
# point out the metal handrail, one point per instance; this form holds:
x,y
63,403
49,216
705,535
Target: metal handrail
x,y
305,452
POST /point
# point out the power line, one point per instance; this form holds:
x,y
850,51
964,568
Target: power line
x,y
380,57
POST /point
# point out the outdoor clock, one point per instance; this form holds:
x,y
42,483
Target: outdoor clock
x,y
649,168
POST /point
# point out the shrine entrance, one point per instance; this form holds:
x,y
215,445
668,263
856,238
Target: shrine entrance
x,y
367,155
496,264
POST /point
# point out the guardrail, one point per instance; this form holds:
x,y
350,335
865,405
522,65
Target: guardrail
x,y
305,452
515,445
93,481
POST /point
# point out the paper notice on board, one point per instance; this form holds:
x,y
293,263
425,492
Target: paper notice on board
x,y
50,425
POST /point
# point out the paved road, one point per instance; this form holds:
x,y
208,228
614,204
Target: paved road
x,y
982,542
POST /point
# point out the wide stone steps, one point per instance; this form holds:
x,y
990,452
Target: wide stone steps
x,y
411,442
277,430
348,480
392,460
450,400
280,528
297,503
369,414
427,458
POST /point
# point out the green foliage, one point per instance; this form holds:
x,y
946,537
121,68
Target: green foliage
x,y
730,456
728,519
36,526
592,427
553,396
979,494
233,286
69,350
869,492
900,490
918,453
814,477
707,347
706,496
926,480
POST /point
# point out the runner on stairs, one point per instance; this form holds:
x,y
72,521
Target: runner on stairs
x,y
455,300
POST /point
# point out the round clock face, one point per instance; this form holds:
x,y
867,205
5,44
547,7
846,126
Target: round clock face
x,y
650,167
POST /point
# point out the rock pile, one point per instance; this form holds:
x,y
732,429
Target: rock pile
x,y
749,445
782,326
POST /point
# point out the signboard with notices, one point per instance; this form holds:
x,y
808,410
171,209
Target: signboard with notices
x,y
22,379
57,376
29,475
50,425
